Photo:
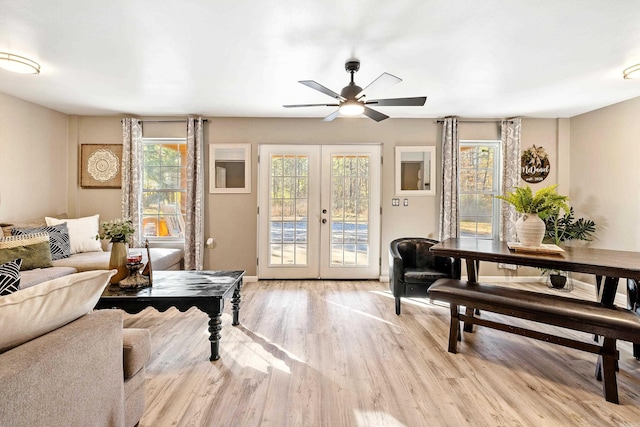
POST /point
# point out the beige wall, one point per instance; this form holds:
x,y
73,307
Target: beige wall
x,y
605,149
231,218
34,164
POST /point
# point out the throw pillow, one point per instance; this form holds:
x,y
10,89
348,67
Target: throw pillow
x,y
33,249
10,277
34,311
58,238
82,233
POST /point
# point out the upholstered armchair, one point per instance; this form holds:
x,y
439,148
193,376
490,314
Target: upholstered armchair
x,y
413,268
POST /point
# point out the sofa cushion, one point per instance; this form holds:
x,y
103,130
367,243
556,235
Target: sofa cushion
x,y
136,346
33,249
161,259
82,233
29,278
58,238
10,277
32,312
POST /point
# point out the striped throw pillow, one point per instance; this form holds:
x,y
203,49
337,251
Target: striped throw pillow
x,y
10,277
59,241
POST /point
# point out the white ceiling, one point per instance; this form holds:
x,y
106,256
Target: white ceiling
x,y
471,58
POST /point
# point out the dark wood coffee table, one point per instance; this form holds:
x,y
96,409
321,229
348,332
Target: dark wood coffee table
x,y
183,289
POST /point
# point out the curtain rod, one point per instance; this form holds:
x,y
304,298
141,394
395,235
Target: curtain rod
x,y
167,121
477,121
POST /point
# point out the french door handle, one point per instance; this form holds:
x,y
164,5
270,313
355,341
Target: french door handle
x,y
324,220
324,211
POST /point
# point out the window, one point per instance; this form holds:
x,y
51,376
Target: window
x,y
479,184
164,187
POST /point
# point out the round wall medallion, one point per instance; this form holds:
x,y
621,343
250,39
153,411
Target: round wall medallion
x,y
534,164
103,165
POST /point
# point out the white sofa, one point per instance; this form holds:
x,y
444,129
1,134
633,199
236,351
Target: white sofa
x,y
161,258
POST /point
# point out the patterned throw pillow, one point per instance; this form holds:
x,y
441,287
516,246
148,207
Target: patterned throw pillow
x,y
59,241
33,249
10,277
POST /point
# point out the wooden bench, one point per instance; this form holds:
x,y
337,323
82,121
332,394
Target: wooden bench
x,y
612,323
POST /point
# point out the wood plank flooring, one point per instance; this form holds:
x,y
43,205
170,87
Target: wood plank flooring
x,y
333,353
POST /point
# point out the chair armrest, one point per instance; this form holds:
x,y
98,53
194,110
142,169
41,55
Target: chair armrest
x,y
449,265
396,265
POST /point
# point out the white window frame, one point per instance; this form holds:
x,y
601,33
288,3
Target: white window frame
x,y
497,186
145,141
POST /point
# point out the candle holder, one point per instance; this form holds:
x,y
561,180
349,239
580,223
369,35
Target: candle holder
x,y
135,280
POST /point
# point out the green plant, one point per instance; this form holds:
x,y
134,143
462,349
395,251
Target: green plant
x,y
118,230
560,228
544,202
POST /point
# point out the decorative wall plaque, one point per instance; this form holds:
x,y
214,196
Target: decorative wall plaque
x,y
534,164
100,165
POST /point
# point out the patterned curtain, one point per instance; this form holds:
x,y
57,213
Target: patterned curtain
x,y
510,130
194,224
449,213
132,175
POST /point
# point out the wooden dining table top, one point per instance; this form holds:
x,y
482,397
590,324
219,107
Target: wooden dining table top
x,y
604,262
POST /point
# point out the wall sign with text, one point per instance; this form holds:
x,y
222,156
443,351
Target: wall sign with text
x,y
534,164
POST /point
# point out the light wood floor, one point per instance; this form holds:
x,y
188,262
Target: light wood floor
x,y
333,353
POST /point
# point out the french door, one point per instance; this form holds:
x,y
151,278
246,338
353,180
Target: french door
x,y
319,212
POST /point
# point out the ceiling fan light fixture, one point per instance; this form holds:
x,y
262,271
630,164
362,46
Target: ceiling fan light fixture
x,y
18,64
352,108
632,72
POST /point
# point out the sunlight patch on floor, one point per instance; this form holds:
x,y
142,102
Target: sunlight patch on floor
x,y
368,418
361,313
256,355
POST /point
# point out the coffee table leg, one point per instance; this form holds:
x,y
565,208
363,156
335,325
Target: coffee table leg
x,y
235,304
215,326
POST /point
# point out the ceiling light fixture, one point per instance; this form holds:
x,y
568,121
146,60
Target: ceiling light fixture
x,y
351,108
18,64
632,72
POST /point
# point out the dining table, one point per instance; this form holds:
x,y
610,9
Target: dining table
x,y
607,264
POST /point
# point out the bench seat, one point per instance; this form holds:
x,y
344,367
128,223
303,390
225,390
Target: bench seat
x,y
612,323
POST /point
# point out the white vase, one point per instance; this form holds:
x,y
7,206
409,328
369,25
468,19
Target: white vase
x,y
530,230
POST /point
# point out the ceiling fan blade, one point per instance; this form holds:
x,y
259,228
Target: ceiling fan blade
x,y
331,116
399,102
375,115
317,86
310,105
383,81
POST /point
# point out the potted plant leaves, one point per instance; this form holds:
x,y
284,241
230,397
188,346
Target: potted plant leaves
x,y
535,208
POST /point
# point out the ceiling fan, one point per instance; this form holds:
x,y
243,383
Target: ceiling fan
x,y
351,100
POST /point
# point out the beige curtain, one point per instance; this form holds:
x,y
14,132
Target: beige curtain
x,y
194,224
132,175
510,130
449,212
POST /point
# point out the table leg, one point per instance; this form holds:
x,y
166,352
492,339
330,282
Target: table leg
x,y
235,304
473,266
215,326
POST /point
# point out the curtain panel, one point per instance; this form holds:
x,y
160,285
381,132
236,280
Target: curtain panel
x,y
449,212
132,175
194,221
510,131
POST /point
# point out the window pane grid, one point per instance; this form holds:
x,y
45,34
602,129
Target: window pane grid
x,y
350,188
479,182
288,200
164,180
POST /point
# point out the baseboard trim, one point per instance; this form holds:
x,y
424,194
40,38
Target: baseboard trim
x,y
247,279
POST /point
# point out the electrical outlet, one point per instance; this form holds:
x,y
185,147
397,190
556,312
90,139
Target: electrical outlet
x,y
406,202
